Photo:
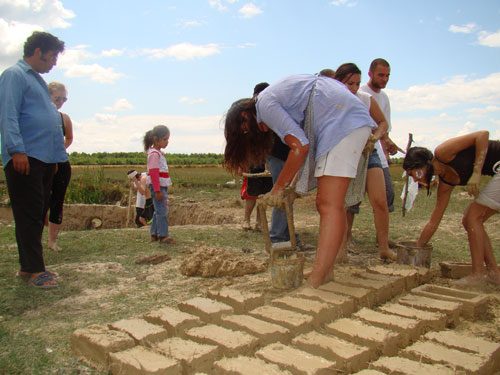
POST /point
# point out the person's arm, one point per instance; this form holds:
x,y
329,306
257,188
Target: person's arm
x,y
154,174
68,130
294,161
443,198
447,151
141,185
382,126
11,92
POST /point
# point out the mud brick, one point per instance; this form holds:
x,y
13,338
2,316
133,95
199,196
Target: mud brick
x,y
173,320
425,275
404,366
369,372
397,283
295,360
362,297
409,273
142,361
474,304
140,330
434,353
408,327
95,342
382,289
379,339
191,355
207,309
296,322
240,301
435,321
247,366
231,343
321,312
265,331
467,343
451,309
455,270
340,306
349,357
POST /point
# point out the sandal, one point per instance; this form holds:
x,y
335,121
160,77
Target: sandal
x,y
167,240
154,238
42,281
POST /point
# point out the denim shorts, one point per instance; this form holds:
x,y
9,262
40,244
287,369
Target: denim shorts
x,y
374,160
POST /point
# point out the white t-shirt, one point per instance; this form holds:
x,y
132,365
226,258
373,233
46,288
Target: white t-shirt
x,y
384,104
140,200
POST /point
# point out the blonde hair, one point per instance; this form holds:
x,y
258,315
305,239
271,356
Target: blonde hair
x,y
56,86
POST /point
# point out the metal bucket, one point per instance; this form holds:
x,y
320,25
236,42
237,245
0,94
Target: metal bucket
x,y
409,253
287,269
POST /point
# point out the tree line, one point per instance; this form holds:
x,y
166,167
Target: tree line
x,y
140,158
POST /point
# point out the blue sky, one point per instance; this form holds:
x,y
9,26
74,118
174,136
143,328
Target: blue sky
x,y
130,65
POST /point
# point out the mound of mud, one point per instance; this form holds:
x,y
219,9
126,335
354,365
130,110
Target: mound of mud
x,y
193,213
212,262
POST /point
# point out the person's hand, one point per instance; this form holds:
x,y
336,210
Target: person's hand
x,y
370,144
473,184
158,195
21,164
391,147
274,199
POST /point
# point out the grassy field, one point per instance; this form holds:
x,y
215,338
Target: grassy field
x,y
101,283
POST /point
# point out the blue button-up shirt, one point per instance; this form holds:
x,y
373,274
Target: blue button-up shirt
x,y
29,122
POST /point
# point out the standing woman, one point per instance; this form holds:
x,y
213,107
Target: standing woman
x,y
462,161
63,174
350,75
339,126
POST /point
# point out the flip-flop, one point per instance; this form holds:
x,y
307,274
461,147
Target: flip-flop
x,y
167,240
41,281
54,275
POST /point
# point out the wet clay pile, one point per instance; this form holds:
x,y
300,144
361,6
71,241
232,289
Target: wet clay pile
x,y
207,261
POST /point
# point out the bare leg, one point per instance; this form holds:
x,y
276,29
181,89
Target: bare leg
x,y
342,254
350,221
375,187
479,242
249,205
332,225
53,232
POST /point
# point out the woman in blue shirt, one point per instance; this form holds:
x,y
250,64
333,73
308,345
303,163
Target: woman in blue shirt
x,y
338,127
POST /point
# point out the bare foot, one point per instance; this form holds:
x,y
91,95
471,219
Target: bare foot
x,y
341,256
493,277
53,246
388,255
246,225
470,281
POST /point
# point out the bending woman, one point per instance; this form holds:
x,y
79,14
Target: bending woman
x,y
462,161
341,126
63,174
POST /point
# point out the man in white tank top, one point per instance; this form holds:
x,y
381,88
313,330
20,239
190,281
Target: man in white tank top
x,y
379,76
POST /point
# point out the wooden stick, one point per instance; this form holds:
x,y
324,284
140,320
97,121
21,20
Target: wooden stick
x,y
410,140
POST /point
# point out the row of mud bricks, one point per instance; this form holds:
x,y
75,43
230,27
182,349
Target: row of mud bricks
x,y
384,320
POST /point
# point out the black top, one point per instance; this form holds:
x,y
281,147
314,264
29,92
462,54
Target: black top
x,y
463,163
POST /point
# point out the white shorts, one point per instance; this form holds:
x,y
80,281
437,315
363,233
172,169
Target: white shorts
x,y
489,196
342,160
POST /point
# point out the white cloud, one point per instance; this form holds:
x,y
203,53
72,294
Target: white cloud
x,y
112,52
465,29
249,10
456,91
199,134
72,61
19,18
119,105
482,112
217,4
184,51
489,39
186,24
188,100
247,45
347,3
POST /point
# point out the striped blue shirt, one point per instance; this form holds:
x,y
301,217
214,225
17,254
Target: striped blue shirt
x,y
337,112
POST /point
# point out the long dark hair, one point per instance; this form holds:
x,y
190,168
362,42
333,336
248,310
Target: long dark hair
x,y
419,157
159,131
244,147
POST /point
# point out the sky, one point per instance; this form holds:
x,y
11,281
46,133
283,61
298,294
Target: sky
x,y
130,65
